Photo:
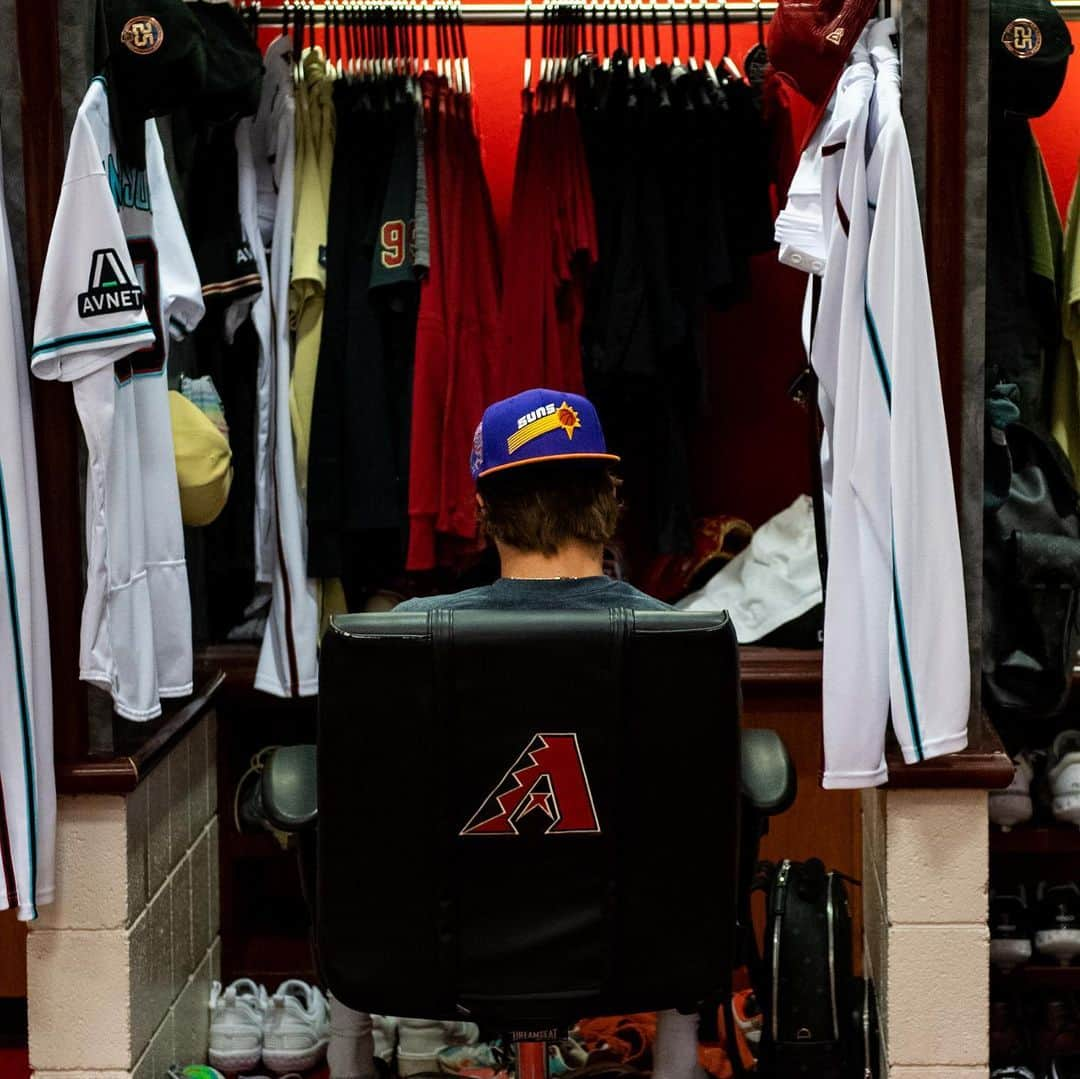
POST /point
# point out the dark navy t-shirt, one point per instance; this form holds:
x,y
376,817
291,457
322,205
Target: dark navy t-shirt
x,y
507,594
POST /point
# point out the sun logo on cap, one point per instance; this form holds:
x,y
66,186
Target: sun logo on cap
x,y
543,420
569,420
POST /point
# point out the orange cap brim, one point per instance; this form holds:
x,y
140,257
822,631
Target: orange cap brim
x,y
550,457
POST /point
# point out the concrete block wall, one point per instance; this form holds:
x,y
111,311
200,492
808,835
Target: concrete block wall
x,y
119,968
925,871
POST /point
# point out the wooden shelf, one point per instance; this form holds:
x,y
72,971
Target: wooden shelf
x,y
983,765
1039,976
787,667
122,773
1053,839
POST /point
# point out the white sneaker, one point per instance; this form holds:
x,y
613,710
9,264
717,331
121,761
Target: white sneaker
x,y
384,1029
1063,772
297,1028
1013,805
236,1025
421,1040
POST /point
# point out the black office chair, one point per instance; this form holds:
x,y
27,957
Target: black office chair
x,y
526,818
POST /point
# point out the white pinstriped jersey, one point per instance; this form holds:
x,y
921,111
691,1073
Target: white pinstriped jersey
x,y
895,622
119,278
288,660
27,788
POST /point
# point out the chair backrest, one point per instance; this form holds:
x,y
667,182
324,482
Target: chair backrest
x,y
527,817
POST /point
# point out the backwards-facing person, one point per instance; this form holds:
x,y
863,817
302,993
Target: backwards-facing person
x,y
548,500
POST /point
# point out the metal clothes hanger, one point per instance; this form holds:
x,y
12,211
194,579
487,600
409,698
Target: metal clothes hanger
x,y
691,50
656,35
527,77
675,60
706,62
732,69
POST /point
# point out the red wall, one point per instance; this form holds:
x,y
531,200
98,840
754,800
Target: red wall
x,y
750,455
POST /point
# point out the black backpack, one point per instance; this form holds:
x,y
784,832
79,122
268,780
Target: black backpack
x,y
820,1019
1031,567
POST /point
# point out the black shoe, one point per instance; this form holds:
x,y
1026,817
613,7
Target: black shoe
x,y
1007,1044
1010,929
1057,930
1064,1068
1058,1036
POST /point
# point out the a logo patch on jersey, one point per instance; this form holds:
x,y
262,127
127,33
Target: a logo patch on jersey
x,y
109,289
542,420
548,779
143,35
837,36
1023,38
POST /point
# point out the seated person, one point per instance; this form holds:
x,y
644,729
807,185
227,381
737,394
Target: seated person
x,y
547,499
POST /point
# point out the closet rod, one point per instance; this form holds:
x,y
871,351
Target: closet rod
x,y
491,14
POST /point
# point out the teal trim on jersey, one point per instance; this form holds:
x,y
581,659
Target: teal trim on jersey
x,y
879,354
903,652
905,662
89,336
24,701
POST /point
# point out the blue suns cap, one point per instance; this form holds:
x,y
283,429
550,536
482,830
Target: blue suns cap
x,y
537,425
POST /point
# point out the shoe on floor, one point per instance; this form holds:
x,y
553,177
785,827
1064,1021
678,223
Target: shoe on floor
x,y
1007,1042
297,1028
468,1060
1057,932
1063,773
420,1041
1010,929
236,1025
384,1029
1013,805
1058,1036
1064,1068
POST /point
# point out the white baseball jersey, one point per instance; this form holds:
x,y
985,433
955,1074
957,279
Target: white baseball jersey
x,y
288,661
119,278
895,622
27,787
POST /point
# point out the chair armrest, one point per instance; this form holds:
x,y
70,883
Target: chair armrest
x,y
769,783
290,788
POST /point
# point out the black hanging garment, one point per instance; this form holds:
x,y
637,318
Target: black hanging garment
x,y
1031,567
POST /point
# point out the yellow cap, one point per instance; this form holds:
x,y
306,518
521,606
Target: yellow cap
x,y
203,461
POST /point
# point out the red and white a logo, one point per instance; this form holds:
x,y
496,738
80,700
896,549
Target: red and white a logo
x,y
547,778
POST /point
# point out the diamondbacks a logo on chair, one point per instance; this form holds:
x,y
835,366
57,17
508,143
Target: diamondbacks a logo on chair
x,y
547,779
109,289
